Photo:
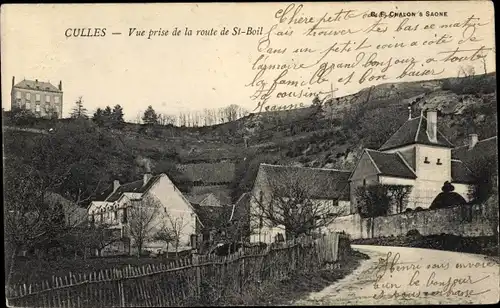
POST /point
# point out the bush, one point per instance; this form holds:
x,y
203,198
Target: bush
x,y
413,233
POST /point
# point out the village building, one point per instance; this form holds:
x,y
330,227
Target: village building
x,y
418,155
41,98
175,211
210,182
326,187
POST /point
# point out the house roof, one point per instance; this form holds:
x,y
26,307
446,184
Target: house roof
x,y
209,173
414,131
132,187
34,85
460,173
323,183
484,148
198,193
240,207
390,164
212,216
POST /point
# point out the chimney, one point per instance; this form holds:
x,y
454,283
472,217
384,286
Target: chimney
x,y
13,81
36,80
60,85
116,184
147,177
432,125
473,138
409,112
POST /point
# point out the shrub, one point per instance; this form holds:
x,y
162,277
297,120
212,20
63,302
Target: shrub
x,y
413,233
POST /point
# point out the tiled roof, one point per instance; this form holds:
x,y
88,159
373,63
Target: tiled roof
x,y
460,173
213,216
103,194
40,85
240,207
323,183
209,173
132,187
487,148
390,164
411,132
223,193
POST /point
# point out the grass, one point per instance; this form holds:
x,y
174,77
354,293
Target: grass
x,y
486,245
36,270
296,287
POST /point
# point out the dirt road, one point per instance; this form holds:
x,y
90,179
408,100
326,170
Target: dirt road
x,y
405,276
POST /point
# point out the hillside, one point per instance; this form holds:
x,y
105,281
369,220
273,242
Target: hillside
x,y
331,134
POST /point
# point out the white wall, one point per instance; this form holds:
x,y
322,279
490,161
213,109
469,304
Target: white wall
x,y
174,203
432,171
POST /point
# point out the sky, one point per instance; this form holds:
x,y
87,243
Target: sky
x,y
183,73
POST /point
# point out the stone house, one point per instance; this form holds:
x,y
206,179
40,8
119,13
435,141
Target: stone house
x,y
325,187
417,154
116,209
40,97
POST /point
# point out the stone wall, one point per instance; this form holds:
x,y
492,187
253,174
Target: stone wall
x,y
465,220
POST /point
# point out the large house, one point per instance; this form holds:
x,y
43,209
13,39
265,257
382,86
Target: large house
x,y
417,154
117,210
324,187
40,97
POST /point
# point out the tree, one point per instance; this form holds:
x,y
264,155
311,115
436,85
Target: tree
x,y
291,201
98,117
26,215
141,219
117,117
376,200
176,226
400,195
150,116
79,112
486,174
165,235
20,116
93,236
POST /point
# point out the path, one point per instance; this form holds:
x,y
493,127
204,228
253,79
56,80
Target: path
x,y
418,276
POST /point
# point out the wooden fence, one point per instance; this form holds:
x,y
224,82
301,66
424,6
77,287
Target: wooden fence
x,y
199,278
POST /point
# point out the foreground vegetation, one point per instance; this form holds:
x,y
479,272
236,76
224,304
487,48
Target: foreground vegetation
x,y
296,287
487,245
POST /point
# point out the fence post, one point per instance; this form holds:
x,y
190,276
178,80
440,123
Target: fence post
x,y
121,294
242,269
196,263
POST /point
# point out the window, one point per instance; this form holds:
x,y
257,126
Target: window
x,y
18,95
124,217
116,215
37,108
56,99
426,160
47,98
37,97
364,182
28,106
28,96
439,162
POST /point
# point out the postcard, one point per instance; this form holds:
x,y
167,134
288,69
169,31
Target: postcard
x,y
218,154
